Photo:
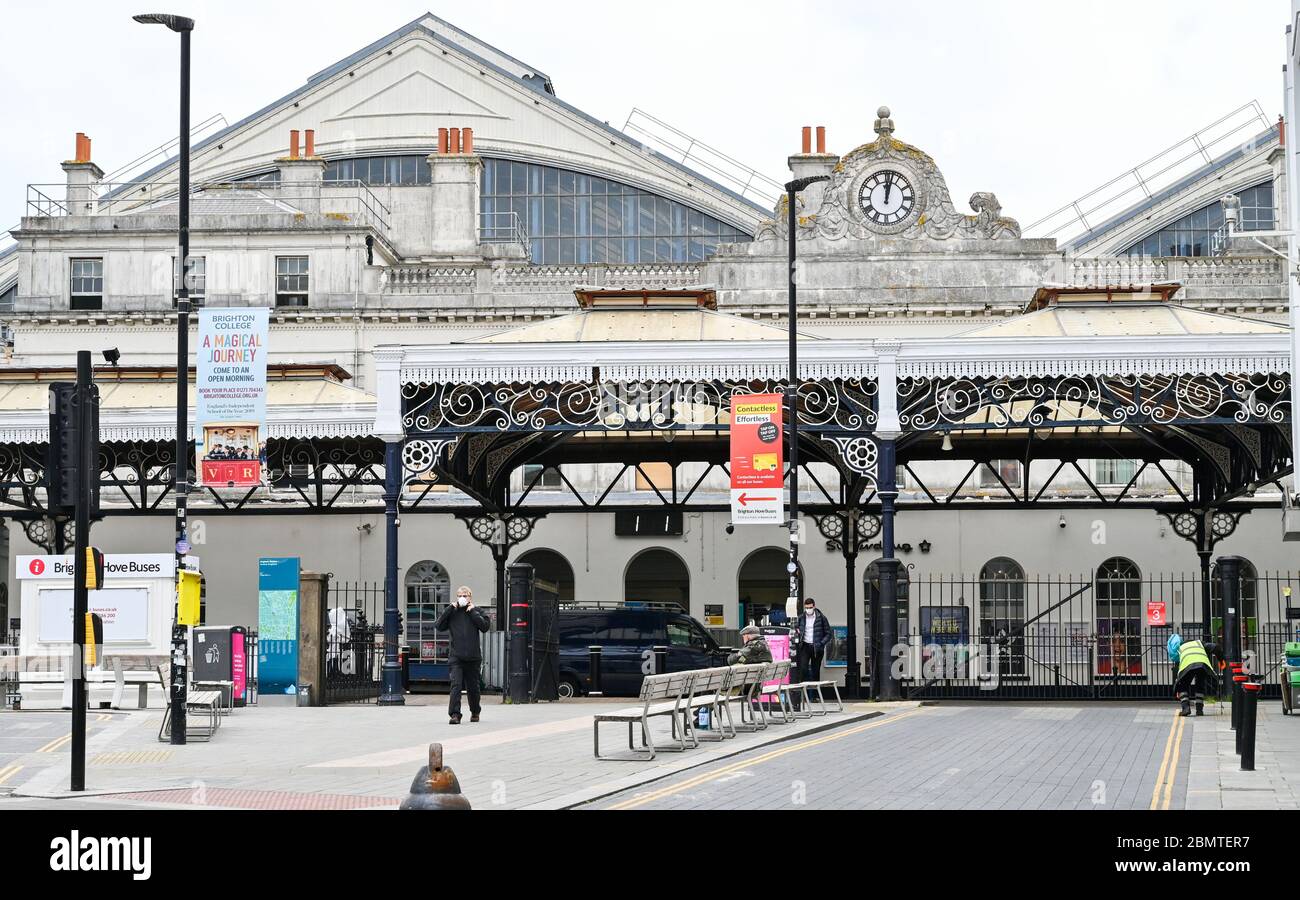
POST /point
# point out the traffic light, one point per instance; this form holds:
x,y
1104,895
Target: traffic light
x,y
94,636
62,463
94,569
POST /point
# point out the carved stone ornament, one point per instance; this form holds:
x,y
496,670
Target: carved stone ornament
x,y
927,213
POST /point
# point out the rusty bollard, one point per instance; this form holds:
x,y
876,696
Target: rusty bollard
x,y
435,786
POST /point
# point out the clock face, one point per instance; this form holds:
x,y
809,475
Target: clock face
x,y
886,197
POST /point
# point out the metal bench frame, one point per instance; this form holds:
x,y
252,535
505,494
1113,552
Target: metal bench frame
x,y
207,702
661,695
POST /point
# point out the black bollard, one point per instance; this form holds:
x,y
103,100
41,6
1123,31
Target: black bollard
x,y
593,676
661,660
1250,694
1239,706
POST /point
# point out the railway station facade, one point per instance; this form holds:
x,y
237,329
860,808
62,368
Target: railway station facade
x,y
538,322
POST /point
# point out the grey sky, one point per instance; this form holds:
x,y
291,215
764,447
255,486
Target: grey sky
x,y
1036,101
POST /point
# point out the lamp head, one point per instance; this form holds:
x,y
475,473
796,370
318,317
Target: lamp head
x,y
112,355
175,23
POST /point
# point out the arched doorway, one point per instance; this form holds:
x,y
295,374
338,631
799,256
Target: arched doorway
x,y
428,592
657,576
762,583
551,566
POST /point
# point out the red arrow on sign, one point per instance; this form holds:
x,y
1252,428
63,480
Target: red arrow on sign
x,y
744,499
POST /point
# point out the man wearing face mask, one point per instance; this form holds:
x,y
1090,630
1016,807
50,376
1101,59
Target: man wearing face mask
x,y
814,635
465,622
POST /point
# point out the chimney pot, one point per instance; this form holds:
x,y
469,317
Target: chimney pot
x,y
83,148
293,143
444,141
807,140
311,143
455,140
821,138
467,138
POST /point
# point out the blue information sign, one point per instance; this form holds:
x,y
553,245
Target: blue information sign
x,y
277,625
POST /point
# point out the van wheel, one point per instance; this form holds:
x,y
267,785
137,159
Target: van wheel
x,y
569,688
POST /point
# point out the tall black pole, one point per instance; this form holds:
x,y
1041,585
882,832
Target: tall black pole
x,y
392,671
887,565
180,633
180,476
87,472
792,388
852,672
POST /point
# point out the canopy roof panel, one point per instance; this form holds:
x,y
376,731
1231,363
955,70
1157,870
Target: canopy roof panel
x,y
647,324
140,403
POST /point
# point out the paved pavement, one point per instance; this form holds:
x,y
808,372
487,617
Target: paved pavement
x,y
985,756
1216,780
949,756
536,756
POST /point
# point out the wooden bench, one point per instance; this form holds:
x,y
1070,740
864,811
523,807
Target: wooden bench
x,y
661,695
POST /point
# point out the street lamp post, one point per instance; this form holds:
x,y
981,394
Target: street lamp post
x,y
792,190
180,480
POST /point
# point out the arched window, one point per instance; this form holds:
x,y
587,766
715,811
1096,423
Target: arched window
x,y
575,218
1002,613
657,576
428,591
1118,588
551,566
763,583
1192,235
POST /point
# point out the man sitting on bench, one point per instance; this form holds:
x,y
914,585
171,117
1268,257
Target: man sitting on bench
x,y
754,650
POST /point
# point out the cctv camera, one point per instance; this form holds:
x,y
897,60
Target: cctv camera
x,y
112,355
731,529
1061,522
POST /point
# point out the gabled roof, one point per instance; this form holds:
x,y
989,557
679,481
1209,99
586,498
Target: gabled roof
x,y
483,54
1121,319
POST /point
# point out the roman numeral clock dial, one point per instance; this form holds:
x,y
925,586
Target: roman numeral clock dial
x,y
886,198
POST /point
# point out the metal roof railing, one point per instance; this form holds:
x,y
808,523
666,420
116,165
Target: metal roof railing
x,y
1148,178
694,153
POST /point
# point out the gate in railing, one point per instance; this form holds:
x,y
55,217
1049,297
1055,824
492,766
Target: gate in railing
x,y
1090,637
353,641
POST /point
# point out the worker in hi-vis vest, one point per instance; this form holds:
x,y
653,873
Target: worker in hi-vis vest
x,y
1196,673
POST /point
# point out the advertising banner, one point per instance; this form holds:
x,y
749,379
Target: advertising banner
x,y
757,460
277,625
230,391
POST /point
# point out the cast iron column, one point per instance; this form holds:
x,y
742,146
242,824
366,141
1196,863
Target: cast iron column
x,y
888,566
1230,592
392,669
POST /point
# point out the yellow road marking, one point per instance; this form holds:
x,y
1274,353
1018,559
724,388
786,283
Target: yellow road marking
x,y
634,802
103,717
55,744
1173,763
9,772
1169,764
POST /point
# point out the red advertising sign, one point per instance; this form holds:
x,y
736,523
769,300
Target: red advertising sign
x,y
757,460
1156,613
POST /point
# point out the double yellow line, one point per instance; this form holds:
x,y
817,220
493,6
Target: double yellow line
x,y
9,772
55,744
1169,765
634,802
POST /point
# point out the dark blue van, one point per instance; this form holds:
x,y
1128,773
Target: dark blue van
x,y
627,636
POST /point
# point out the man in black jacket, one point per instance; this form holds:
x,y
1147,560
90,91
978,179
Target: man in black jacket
x,y
814,635
464,622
